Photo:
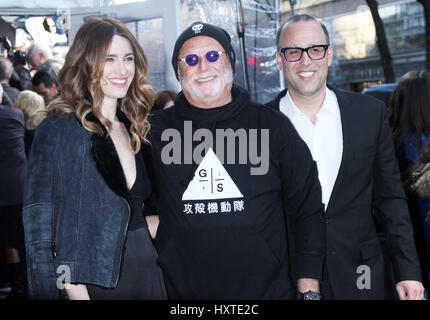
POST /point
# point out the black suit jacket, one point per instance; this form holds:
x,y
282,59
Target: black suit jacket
x,y
368,195
12,155
12,92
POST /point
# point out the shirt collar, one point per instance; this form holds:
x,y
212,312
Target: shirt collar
x,y
330,106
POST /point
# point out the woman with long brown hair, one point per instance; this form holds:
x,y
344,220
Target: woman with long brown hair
x,y
409,114
86,235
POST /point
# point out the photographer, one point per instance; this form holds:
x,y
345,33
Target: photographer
x,y
21,77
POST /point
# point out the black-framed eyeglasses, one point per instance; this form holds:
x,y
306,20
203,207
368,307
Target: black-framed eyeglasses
x,y
193,59
292,54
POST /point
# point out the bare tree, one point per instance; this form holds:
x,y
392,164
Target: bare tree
x,y
426,6
381,40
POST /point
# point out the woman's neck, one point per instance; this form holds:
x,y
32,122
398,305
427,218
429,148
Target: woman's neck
x,y
108,109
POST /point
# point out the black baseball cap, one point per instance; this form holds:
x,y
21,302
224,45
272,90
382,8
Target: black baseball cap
x,y
204,29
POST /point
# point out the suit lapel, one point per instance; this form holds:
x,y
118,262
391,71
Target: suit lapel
x,y
347,121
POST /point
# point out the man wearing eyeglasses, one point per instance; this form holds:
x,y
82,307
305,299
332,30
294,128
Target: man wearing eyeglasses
x,y
349,138
227,172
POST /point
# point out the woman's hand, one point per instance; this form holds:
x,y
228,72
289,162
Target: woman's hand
x,y
77,292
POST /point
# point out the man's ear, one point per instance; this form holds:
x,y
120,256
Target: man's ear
x,y
330,55
179,73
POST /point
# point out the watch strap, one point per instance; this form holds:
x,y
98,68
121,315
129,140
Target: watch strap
x,y
309,295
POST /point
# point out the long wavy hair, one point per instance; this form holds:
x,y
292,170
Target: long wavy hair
x,y
80,78
409,108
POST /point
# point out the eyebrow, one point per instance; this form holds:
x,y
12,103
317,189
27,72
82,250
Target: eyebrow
x,y
126,55
316,44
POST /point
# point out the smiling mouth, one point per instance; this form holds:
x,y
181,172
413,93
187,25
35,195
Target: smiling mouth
x,y
118,82
205,79
306,74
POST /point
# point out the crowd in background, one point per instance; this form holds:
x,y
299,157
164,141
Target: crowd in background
x,y
26,90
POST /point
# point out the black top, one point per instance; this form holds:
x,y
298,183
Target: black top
x,y
140,278
140,191
231,245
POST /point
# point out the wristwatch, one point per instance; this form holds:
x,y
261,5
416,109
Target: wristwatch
x,y
309,295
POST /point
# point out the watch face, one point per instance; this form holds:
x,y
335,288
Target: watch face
x,y
310,295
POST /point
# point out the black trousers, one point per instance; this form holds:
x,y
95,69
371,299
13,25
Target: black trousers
x,y
11,226
12,236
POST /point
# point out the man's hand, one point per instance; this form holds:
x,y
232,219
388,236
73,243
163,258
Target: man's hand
x,y
306,284
410,290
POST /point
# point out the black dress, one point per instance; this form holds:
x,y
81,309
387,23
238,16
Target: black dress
x,y
140,276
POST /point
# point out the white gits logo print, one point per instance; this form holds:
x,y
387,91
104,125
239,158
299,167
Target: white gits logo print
x,y
211,181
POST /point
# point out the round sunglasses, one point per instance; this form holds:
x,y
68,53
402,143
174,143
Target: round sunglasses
x,y
193,59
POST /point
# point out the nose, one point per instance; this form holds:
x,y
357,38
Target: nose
x,y
121,67
203,63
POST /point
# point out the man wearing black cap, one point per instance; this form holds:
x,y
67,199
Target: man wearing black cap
x,y
227,173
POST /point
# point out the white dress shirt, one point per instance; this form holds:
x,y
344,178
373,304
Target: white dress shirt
x,y
324,138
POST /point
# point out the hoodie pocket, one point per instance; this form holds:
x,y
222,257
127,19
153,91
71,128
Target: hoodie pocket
x,y
221,266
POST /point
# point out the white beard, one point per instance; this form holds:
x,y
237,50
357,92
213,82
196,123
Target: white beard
x,y
217,86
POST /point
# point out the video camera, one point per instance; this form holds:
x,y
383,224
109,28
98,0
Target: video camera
x,y
17,57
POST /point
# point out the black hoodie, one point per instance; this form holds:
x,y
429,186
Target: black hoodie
x,y
223,228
